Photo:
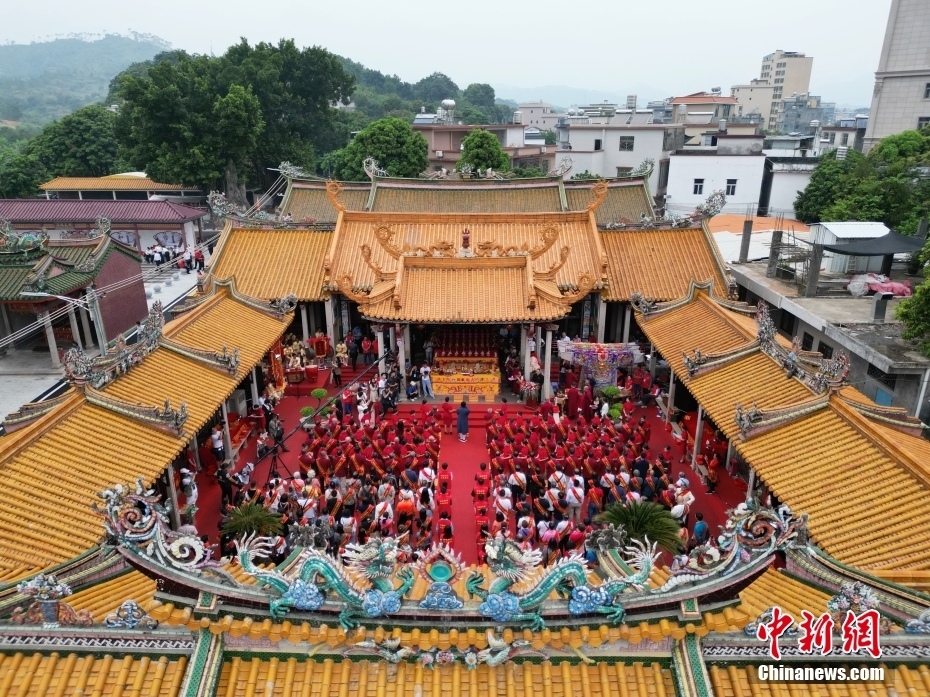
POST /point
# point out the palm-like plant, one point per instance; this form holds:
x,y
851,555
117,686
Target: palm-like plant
x,y
252,519
644,519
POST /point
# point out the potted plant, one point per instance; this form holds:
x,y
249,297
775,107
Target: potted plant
x,y
252,519
914,263
642,521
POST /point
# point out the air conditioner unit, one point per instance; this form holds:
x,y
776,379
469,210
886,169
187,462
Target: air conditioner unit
x,y
439,154
542,150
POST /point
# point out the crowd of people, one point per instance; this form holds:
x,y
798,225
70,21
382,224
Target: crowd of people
x,y
356,479
186,258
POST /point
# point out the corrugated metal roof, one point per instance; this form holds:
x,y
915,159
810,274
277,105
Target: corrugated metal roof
x,y
38,211
849,231
114,182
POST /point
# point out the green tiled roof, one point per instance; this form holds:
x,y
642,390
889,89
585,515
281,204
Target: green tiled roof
x,y
56,268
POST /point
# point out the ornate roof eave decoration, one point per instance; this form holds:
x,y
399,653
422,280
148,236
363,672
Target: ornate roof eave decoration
x,y
380,274
585,285
222,208
753,421
28,413
371,587
648,307
701,363
372,169
598,194
384,233
96,372
333,192
225,360
893,417
820,376
564,167
48,608
134,520
16,242
555,267
550,233
165,418
346,286
90,264
276,307
898,602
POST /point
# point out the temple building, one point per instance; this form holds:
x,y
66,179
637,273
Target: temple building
x,y
106,588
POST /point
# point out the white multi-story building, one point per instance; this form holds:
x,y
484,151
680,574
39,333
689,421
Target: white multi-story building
x,y
901,98
538,114
735,166
612,146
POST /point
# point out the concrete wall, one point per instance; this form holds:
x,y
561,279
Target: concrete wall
x,y
907,387
714,170
785,188
897,105
121,308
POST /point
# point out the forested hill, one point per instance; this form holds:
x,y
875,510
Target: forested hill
x,y
41,82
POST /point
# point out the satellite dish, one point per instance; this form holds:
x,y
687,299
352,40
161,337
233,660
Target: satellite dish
x,y
755,147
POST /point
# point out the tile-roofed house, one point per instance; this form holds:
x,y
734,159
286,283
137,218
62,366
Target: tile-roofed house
x,y
482,196
626,199
841,429
128,186
139,224
78,445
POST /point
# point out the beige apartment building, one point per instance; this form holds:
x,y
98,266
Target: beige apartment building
x,y
783,73
901,98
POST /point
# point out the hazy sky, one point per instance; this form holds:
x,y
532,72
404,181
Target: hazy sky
x,y
656,48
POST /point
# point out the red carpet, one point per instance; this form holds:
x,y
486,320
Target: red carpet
x,y
463,459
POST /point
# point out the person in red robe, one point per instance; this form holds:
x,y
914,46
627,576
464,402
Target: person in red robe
x,y
587,403
571,380
574,401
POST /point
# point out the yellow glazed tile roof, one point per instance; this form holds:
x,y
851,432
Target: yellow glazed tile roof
x,y
624,200
726,620
864,499
373,678
306,200
52,470
661,264
272,263
358,229
465,197
735,681
115,182
104,598
777,588
55,675
464,295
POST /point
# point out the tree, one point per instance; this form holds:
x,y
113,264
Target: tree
x,y
178,126
914,312
395,146
204,118
480,95
527,172
434,88
550,136
82,144
252,519
642,521
20,175
481,149
584,175
296,89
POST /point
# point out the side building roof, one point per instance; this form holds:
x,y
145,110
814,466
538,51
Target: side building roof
x,y
828,455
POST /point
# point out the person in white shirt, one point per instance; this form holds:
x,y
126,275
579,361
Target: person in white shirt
x,y
503,502
541,528
384,510
427,475
189,487
575,497
559,479
426,380
517,481
387,491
